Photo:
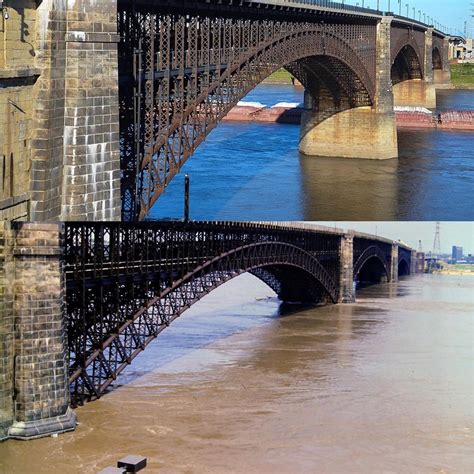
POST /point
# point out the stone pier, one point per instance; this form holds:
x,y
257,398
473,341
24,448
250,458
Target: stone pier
x,y
442,76
34,388
346,274
394,264
363,132
415,93
59,111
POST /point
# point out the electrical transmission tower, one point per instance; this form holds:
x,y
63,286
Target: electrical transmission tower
x,y
436,254
437,241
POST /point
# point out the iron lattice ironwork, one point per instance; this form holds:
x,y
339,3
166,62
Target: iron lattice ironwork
x,y
188,72
126,283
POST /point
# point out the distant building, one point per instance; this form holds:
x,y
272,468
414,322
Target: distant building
x,y
457,253
462,50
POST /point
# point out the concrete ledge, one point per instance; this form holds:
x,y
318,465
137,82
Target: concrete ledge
x,y
41,428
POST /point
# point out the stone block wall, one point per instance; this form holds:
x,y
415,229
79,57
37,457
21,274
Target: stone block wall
x,y
6,336
76,158
18,76
346,273
59,111
394,264
38,342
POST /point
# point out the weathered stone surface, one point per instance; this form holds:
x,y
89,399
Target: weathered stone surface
x,y
78,114
415,93
6,335
394,264
59,115
346,274
34,290
356,133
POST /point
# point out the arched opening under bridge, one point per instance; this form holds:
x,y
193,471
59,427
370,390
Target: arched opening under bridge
x,y
409,87
437,60
372,271
403,268
406,65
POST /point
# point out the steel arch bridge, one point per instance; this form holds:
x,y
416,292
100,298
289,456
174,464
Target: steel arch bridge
x,y
125,283
184,65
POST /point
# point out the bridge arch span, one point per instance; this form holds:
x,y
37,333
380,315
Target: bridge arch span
x,y
293,273
437,59
371,266
406,64
175,132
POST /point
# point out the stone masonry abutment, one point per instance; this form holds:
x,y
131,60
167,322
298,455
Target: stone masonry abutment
x,y
34,388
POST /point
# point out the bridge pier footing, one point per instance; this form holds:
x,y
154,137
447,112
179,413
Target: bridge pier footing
x,y
34,389
415,93
355,133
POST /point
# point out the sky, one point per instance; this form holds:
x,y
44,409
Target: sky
x,y
452,233
451,13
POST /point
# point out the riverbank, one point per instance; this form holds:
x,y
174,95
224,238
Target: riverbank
x,y
407,117
456,270
462,76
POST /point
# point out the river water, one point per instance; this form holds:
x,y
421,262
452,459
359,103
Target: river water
x,y
242,384
255,172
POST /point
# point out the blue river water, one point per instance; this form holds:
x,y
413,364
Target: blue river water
x,y
250,171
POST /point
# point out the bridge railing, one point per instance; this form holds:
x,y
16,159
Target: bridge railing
x,y
330,5
105,250
321,4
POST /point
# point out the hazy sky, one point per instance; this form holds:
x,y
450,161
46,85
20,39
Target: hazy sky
x,y
452,233
451,13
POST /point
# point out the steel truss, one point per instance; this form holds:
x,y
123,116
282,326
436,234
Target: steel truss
x,y
188,71
126,283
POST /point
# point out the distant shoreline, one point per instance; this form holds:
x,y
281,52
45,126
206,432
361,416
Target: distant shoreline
x,y
462,77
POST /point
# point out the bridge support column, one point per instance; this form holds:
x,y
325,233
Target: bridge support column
x,y
394,264
346,272
363,132
415,93
413,262
37,364
6,336
442,77
75,172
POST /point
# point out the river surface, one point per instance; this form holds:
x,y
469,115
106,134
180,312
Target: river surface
x,y
242,384
254,172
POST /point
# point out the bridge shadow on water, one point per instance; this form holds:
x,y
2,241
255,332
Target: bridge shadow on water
x,y
248,310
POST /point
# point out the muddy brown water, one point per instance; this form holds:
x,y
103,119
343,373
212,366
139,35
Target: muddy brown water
x,y
241,384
